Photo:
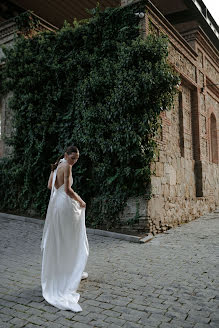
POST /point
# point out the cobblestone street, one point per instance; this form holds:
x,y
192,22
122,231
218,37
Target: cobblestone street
x,y
170,281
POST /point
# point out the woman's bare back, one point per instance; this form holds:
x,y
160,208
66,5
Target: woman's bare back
x,y
60,176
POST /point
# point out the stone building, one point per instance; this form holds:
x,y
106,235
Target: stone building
x,y
185,183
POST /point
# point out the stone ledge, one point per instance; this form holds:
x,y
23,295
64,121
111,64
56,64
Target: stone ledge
x,y
104,233
147,238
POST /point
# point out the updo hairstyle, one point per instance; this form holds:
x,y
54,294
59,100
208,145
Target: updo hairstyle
x,y
69,150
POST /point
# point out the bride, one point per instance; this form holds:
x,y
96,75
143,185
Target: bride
x,y
64,243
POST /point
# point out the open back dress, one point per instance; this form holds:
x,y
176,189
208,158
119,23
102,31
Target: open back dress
x,y
64,249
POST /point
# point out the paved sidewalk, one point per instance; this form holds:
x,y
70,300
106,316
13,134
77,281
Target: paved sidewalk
x,y
169,282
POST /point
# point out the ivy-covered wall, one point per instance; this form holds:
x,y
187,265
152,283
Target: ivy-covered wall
x,y
99,86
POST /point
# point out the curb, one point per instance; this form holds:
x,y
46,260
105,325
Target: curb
x,y
104,233
131,238
21,218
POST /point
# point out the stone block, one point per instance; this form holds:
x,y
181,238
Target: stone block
x,y
159,169
163,180
162,156
173,177
182,162
156,185
174,162
179,176
156,208
178,163
166,191
136,206
170,172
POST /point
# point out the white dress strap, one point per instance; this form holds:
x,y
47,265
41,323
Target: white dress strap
x,y
54,176
53,181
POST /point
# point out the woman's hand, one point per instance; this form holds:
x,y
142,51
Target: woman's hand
x,y
82,203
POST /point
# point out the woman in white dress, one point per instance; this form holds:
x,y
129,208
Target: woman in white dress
x,y
64,243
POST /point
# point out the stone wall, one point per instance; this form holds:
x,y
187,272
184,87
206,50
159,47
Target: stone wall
x,y
6,38
6,125
185,180
1,143
134,217
174,184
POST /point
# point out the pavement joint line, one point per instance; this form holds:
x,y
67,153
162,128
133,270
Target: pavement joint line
x,y
104,233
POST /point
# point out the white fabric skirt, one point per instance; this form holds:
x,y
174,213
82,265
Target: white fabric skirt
x,y
65,251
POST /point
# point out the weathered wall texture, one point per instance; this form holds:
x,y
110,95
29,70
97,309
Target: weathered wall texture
x,y
185,184
6,38
6,124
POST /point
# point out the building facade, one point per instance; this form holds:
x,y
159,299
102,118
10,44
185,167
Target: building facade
x,y
185,180
185,184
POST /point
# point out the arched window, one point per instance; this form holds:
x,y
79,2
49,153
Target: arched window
x,y
213,135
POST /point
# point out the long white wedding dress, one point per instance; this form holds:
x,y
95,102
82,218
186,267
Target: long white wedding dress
x,y
64,249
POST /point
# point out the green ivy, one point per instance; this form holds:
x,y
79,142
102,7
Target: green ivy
x,y
26,22
97,85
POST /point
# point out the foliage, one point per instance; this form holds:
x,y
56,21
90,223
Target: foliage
x,y
26,22
97,85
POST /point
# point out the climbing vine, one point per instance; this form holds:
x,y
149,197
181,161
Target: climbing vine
x,y
26,22
99,86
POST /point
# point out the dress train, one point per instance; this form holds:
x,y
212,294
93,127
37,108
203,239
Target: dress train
x,y
64,249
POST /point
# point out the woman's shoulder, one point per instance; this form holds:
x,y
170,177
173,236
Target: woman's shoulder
x,y
66,167
63,166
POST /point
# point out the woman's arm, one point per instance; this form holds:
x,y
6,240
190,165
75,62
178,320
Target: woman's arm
x,y
67,184
50,180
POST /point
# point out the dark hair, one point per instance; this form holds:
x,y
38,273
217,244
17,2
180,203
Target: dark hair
x,y
69,150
